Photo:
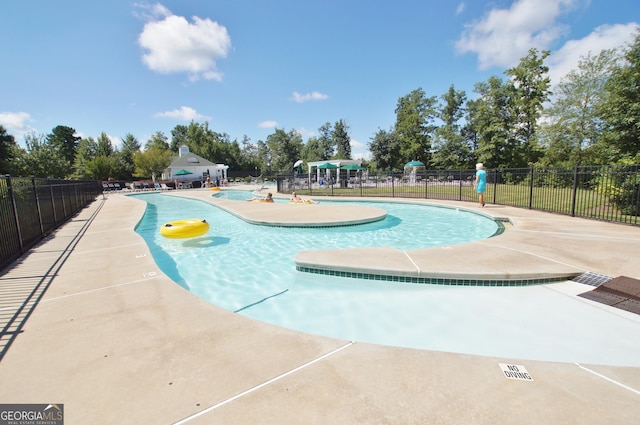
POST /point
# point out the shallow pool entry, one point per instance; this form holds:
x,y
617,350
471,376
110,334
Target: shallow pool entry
x,y
249,269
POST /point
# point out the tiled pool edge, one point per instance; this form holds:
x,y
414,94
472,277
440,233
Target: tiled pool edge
x,y
426,280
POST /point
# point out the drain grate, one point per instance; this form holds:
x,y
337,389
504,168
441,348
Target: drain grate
x,y
593,279
622,292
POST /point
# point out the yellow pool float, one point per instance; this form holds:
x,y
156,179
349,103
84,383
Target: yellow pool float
x,y
215,189
188,228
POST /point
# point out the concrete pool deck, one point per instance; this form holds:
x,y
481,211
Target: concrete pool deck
x,y
117,342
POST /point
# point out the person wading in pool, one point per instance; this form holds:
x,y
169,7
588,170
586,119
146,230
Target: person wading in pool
x,y
481,182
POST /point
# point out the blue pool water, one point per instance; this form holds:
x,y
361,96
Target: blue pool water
x,y
249,269
237,264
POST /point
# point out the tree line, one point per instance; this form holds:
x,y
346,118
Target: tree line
x,y
513,121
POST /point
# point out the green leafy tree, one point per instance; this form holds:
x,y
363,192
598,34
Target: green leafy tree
x,y
494,121
85,152
414,126
102,167
385,150
152,162
285,149
250,156
179,137
105,147
41,159
265,158
469,131
572,126
209,144
312,150
325,140
621,109
130,145
8,147
64,139
529,90
341,140
450,149
158,141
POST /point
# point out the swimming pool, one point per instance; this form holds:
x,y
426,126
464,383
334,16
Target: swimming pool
x,y
249,269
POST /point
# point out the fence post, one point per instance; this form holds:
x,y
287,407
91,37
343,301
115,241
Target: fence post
x,y
35,194
531,188
495,185
53,205
574,192
393,186
64,204
426,185
636,210
460,185
14,207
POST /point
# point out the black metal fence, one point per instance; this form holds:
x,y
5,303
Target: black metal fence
x,y
609,193
32,207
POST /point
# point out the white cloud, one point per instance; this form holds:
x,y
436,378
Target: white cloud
x,y
268,124
356,145
304,133
359,150
172,44
503,36
300,98
560,62
150,12
185,113
461,7
362,155
17,124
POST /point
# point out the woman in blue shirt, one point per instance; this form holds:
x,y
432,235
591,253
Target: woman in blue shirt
x,y
481,182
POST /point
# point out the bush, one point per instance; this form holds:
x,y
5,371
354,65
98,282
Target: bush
x,y
622,188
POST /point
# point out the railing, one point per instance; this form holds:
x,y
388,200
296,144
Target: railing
x,y
609,193
32,207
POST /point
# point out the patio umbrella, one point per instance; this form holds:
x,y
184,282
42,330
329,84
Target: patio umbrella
x,y
413,163
183,172
327,166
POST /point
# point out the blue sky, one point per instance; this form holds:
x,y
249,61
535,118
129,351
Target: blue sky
x,y
250,66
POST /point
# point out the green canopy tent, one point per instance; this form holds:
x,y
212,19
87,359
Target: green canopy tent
x,y
327,166
350,167
183,172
